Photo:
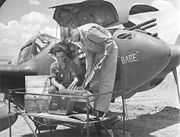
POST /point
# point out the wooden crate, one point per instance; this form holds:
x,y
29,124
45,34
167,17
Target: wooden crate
x,y
38,104
37,85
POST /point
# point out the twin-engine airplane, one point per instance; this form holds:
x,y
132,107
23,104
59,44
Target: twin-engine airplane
x,y
144,59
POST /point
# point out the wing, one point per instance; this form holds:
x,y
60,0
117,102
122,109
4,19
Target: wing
x,y
141,8
12,76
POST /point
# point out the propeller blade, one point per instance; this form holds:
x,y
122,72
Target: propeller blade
x,y
176,80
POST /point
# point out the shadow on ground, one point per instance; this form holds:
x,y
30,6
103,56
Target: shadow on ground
x,y
146,124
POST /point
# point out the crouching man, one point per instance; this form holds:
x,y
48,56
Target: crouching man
x,y
62,72
62,77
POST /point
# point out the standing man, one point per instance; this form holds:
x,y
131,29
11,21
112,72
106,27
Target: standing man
x,y
97,42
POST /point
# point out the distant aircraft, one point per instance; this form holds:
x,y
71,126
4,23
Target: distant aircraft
x,y
144,59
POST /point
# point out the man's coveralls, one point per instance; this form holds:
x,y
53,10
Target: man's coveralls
x,y
95,40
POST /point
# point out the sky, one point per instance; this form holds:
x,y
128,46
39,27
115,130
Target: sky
x,y
21,19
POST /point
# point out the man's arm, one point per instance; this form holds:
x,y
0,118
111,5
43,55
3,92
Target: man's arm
x,y
53,77
73,83
56,84
73,72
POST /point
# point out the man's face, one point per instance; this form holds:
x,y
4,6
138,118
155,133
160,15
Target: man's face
x,y
61,57
74,35
73,38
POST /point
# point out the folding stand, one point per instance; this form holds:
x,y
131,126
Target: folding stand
x,y
66,119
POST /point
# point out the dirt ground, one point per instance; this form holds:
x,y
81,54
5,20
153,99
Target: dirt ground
x,y
154,113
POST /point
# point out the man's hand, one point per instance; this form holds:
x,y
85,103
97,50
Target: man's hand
x,y
56,84
73,86
60,87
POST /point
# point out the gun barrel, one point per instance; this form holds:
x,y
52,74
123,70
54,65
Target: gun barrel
x,y
142,24
148,26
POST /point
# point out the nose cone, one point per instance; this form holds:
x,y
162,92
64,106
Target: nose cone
x,y
175,56
4,119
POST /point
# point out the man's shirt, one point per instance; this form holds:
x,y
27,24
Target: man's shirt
x,y
94,39
63,76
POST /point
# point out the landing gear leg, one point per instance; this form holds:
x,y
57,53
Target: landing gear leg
x,y
9,109
124,115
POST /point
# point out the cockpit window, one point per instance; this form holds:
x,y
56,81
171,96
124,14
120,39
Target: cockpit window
x,y
39,45
25,53
32,49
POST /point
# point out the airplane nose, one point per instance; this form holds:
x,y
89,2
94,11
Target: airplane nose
x,y
175,55
4,119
